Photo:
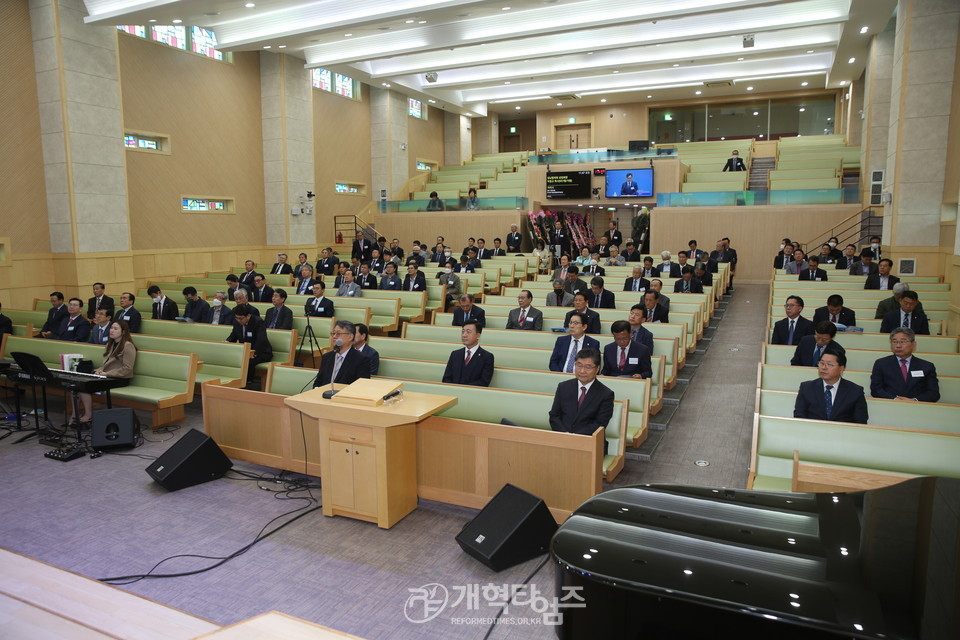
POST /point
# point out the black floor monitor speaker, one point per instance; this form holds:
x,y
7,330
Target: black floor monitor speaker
x,y
193,459
114,429
514,527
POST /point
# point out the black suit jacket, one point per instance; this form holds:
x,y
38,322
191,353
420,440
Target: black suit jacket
x,y
918,322
634,256
105,303
168,311
845,263
419,284
226,315
873,281
6,324
513,241
368,281
284,317
560,238
264,295
560,348
819,274
628,284
607,300
308,290
478,373
593,320
131,316
355,366
803,356
886,380
373,356
674,270
327,266
847,317
246,278
660,314
857,269
324,310
615,238
695,286
284,269
361,249
636,352
76,331
196,310
781,330
476,313
593,271
54,317
780,262
578,285
850,405
254,332
734,164
596,410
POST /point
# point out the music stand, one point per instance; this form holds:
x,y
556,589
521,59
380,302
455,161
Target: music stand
x,y
38,375
314,343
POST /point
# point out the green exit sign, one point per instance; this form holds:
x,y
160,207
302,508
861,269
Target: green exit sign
x,y
513,129
571,120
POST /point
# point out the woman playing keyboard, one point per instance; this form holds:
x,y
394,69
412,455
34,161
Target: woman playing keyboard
x,y
118,359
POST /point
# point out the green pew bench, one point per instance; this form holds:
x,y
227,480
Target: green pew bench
x,y
162,383
851,446
223,363
384,312
947,364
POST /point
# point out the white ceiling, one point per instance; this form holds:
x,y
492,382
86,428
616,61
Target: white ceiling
x,y
497,56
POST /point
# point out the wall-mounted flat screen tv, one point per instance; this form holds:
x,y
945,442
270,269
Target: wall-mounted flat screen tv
x,y
629,183
568,185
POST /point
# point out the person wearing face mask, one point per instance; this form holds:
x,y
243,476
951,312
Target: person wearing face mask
x,y
451,280
219,312
594,268
835,251
875,248
163,307
785,256
735,162
560,297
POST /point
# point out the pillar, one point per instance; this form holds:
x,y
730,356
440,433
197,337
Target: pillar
x,y
457,142
389,158
876,106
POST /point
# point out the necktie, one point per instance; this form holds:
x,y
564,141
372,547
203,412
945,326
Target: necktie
x,y
790,333
523,316
336,367
833,318
303,287
816,355
597,302
466,361
623,358
573,357
903,368
583,392
636,285
466,316
273,321
828,400
412,281
216,316
316,304
686,287
906,320
649,314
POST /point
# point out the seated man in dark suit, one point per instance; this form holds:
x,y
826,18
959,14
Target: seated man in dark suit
x,y
882,279
813,272
687,283
600,298
100,327
907,316
318,306
163,307
835,312
301,263
866,266
197,308
233,285
100,300
582,404
559,297
811,347
830,397
794,326
6,324
849,258
636,283
219,312
74,327
655,311
366,280
280,316
575,284
361,339
623,357
630,254
414,280
305,282
243,297
701,273
56,314
566,348
471,365
250,328
639,333
343,364
262,292
128,313
280,267
592,322
328,263
249,273
903,376
467,311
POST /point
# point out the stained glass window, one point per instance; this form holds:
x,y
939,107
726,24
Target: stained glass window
x,y
173,35
423,166
342,187
414,108
344,86
130,141
204,204
322,79
134,29
204,42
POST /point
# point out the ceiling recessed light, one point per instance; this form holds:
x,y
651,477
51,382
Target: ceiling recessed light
x,y
152,20
589,53
803,84
603,99
266,46
504,8
615,72
739,59
802,109
851,60
517,107
649,96
422,22
250,5
809,50
432,101
749,88
843,82
283,46
347,35
411,21
176,21
698,92
506,82
864,29
756,113
676,65
559,104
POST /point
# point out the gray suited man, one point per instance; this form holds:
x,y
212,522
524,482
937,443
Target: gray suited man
x,y
525,316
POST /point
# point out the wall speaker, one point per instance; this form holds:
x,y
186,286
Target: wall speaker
x,y
193,459
638,145
114,429
514,527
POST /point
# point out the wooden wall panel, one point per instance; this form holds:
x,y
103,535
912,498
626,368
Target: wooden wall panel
x,y
527,129
341,143
613,126
23,202
211,110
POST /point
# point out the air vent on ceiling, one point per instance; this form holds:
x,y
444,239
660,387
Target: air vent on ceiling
x,y
719,83
567,96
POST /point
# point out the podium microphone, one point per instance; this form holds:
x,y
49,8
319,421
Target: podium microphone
x,y
393,393
329,393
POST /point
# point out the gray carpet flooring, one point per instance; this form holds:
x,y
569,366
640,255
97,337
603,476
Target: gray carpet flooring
x,y
105,517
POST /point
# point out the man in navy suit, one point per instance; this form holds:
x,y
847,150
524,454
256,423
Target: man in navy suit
x,y
636,282
813,272
74,327
414,280
56,314
566,347
467,311
262,292
639,333
882,279
246,278
128,313
280,316
811,347
361,247
655,311
600,298
305,282
361,346
902,376
835,312
343,364
471,365
794,326
514,239
219,312
591,317
318,306
907,316
846,261
328,263
623,357
687,283
583,404
197,308
831,397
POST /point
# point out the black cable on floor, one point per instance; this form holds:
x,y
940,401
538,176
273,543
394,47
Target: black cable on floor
x,y
493,624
